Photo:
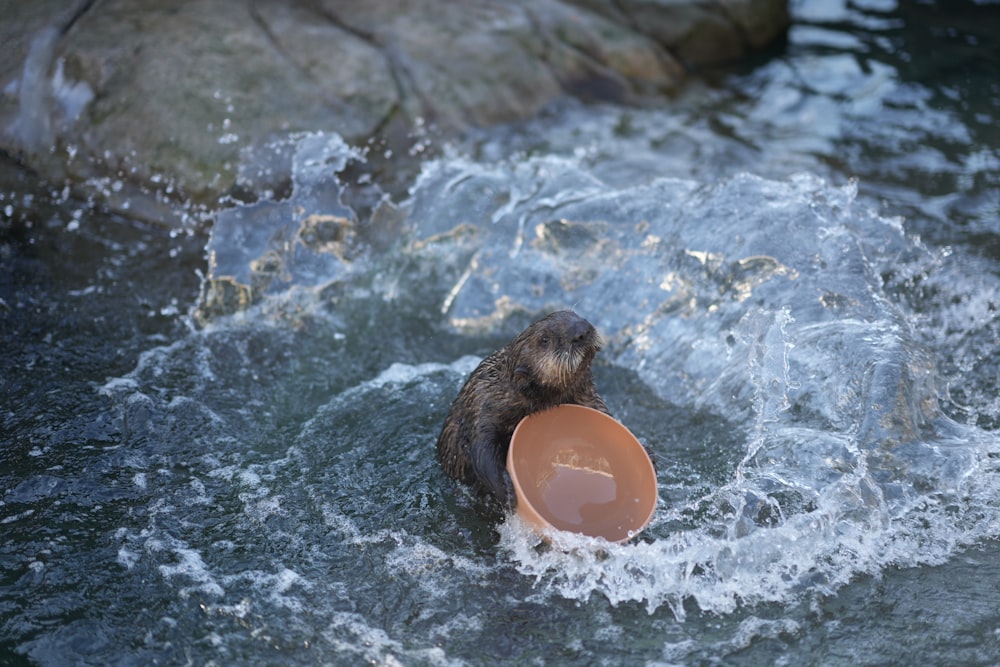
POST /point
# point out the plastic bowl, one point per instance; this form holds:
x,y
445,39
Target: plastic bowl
x,y
580,470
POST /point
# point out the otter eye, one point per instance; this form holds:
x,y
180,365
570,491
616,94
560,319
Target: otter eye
x,y
544,340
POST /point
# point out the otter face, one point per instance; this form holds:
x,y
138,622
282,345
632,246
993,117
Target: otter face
x,y
556,347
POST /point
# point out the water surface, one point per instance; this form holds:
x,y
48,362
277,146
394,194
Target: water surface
x,y
796,269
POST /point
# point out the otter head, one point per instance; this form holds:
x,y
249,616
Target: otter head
x,y
553,350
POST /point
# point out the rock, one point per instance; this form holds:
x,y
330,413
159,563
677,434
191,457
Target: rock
x,y
156,106
700,32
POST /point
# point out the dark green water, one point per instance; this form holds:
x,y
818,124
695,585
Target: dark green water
x,y
812,359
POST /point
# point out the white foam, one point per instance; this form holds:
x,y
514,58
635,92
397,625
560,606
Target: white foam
x,y
351,634
127,558
241,609
433,569
249,478
119,385
190,567
399,373
279,589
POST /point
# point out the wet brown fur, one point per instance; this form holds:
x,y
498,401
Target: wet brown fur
x,y
547,364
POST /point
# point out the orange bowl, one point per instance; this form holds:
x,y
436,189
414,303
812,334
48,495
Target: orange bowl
x,y
578,469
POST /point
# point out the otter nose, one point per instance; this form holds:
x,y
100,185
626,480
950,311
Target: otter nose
x,y
579,330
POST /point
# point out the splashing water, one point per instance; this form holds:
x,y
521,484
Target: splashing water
x,y
760,302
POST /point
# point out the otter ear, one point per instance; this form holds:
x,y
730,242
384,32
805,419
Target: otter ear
x,y
522,374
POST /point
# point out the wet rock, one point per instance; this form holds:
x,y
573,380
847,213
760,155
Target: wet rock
x,y
700,32
157,105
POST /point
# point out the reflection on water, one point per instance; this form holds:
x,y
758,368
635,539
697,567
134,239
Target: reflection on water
x,y
816,375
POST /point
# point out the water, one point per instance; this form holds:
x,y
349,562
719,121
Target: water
x,y
575,495
796,268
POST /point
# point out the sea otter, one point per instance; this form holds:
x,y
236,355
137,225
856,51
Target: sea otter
x,y
547,364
